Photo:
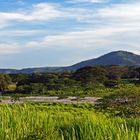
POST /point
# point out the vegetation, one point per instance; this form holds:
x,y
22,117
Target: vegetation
x,y
5,80
116,116
91,81
96,81
63,122
122,102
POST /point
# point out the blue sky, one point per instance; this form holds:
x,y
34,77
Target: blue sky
x,y
37,33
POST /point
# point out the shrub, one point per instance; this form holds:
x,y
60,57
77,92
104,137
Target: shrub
x,y
123,101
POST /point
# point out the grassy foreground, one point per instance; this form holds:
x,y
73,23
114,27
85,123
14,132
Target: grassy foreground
x,y
63,122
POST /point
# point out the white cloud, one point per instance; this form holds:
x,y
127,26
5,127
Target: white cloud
x,y
121,12
91,38
119,27
38,12
86,1
6,48
115,13
20,33
86,44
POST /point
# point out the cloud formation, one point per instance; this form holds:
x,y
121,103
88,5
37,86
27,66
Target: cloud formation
x,y
81,28
6,48
38,12
85,1
120,25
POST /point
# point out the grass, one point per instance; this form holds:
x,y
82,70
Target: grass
x,y
63,122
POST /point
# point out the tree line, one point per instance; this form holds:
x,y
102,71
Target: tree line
x,y
87,77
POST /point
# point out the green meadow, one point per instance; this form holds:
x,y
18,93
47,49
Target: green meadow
x,y
63,122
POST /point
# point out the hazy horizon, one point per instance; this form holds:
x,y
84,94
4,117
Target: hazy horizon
x,y
40,33
53,66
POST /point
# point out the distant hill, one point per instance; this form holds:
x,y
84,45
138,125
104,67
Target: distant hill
x,y
32,70
122,58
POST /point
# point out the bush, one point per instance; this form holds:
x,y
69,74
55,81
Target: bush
x,y
111,83
124,101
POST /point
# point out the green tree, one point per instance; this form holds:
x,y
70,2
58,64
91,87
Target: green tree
x,y
5,80
90,74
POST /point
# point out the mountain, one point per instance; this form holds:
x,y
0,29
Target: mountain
x,y
122,58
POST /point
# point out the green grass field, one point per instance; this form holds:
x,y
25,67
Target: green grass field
x,y
63,122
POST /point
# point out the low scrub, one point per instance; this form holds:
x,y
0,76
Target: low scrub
x,y
124,101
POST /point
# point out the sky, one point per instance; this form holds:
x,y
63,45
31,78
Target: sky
x,y
40,33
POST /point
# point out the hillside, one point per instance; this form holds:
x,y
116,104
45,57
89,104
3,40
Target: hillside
x,y
121,58
32,70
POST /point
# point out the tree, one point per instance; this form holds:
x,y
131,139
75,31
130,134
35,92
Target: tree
x,y
5,80
138,73
90,74
115,72
18,77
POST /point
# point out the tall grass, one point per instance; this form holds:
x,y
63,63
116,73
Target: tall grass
x,y
59,122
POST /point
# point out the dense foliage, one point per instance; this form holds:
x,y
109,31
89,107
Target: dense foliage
x,y
85,81
118,86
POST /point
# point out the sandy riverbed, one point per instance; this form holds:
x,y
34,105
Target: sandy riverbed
x,y
50,99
